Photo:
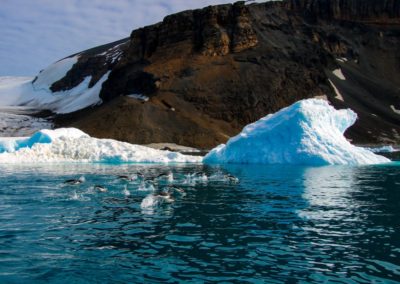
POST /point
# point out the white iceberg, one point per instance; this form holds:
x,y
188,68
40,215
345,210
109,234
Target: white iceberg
x,y
72,145
309,132
42,136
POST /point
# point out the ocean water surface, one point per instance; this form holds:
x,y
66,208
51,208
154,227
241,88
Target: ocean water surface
x,y
333,224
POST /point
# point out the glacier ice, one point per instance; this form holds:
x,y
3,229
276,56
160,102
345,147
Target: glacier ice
x,y
72,145
309,132
17,122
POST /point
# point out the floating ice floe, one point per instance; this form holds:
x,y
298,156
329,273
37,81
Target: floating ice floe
x,y
40,137
309,132
73,145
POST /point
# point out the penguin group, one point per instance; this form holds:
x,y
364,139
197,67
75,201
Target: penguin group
x,y
162,187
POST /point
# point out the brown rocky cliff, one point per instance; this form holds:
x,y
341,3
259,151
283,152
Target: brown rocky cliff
x,y
373,11
215,30
212,31
209,72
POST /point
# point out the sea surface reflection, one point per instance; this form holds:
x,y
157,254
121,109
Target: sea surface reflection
x,y
277,224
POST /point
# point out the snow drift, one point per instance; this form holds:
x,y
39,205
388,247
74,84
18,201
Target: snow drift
x,y
54,72
72,145
35,92
309,132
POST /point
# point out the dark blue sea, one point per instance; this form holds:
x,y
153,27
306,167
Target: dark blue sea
x,y
275,224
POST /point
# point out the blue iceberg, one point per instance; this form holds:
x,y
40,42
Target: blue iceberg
x,y
70,145
309,132
44,136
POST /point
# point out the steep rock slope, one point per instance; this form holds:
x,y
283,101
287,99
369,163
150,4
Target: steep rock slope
x,y
199,76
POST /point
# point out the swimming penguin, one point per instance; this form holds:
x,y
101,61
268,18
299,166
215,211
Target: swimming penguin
x,y
231,178
130,178
173,188
75,181
164,196
124,178
100,188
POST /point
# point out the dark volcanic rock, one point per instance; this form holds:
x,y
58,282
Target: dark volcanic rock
x,y
211,71
372,11
212,31
94,62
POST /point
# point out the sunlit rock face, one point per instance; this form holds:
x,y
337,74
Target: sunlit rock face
x,y
309,132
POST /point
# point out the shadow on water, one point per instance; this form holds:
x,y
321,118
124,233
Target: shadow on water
x,y
280,223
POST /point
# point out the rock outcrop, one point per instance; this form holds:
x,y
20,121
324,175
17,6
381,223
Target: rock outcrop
x,y
209,72
365,11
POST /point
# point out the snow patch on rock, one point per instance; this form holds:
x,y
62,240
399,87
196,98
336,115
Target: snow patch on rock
x,y
342,59
24,92
309,132
53,73
338,73
394,109
113,54
139,97
338,94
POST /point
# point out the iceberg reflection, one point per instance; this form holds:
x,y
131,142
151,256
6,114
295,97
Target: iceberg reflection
x,y
328,190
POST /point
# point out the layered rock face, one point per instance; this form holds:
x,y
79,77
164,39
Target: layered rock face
x,y
209,72
210,32
370,11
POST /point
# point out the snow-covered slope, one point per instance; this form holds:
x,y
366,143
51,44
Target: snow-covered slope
x,y
72,145
53,73
309,132
36,93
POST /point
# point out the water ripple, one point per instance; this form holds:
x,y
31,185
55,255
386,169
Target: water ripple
x,y
277,224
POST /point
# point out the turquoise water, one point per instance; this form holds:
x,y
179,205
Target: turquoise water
x,y
278,224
